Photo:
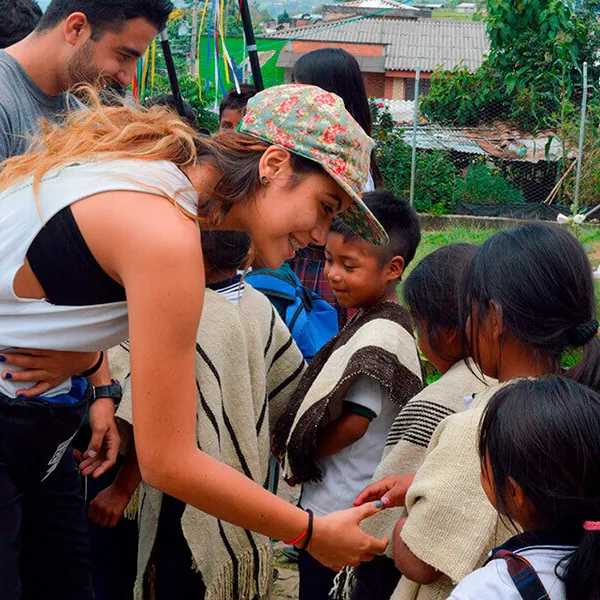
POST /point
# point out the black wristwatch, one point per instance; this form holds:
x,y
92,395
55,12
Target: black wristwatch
x,y
114,391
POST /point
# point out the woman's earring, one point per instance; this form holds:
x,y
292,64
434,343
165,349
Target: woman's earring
x,y
264,182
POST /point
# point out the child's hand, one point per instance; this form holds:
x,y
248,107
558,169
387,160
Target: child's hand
x,y
108,506
102,452
390,490
338,540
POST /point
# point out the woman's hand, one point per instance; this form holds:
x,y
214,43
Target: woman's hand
x,y
104,445
108,506
338,541
390,490
45,368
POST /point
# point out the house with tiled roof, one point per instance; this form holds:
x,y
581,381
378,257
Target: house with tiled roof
x,y
389,50
392,9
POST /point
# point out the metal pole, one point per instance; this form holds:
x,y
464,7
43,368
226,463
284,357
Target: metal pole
x,y
166,48
251,42
194,49
413,164
581,135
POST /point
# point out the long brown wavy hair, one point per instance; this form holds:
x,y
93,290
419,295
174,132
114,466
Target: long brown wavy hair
x,y
105,133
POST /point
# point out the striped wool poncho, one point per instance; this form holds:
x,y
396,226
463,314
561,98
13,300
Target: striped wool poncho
x,y
376,343
247,367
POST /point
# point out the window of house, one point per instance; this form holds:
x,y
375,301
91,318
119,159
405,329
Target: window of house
x,y
409,90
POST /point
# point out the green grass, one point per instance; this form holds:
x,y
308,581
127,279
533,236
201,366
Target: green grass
x,y
272,74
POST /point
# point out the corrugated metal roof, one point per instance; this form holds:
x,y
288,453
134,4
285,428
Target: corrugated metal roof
x,y
446,43
367,64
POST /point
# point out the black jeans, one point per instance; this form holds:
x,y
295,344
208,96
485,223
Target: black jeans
x,y
376,579
174,575
316,580
44,549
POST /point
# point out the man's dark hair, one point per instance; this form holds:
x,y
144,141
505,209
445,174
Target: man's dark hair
x,y
168,101
399,219
107,15
19,19
225,250
235,101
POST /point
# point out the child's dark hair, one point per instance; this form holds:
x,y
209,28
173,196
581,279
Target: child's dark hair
x,y
398,218
225,250
168,101
544,435
431,291
540,278
235,101
19,19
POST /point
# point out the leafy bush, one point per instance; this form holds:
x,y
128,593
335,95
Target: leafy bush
x,y
435,172
461,98
481,184
533,68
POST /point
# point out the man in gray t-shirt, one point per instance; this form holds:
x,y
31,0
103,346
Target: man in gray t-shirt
x,y
22,105
79,41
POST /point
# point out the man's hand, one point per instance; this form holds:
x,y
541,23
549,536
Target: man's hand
x,y
108,506
46,368
104,445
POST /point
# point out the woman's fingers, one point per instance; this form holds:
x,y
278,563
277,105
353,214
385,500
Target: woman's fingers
x,y
373,492
37,390
25,361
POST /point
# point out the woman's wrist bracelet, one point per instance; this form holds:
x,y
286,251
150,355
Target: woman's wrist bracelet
x,y
95,368
298,539
305,535
309,531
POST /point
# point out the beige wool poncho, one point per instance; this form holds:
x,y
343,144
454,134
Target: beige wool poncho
x,y
411,434
451,524
247,367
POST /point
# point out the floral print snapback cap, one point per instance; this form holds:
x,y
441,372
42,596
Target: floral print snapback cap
x,y
310,122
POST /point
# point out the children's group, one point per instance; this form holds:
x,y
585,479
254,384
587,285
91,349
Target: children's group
x,y
188,319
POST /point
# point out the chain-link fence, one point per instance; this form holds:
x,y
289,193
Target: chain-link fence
x,y
494,168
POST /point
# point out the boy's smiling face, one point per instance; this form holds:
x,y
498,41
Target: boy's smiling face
x,y
356,274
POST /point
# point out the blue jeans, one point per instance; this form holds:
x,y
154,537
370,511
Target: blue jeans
x,y
44,551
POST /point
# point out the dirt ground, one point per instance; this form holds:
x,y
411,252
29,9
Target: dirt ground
x,y
285,585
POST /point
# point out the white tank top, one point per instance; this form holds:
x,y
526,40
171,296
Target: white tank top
x,y
32,323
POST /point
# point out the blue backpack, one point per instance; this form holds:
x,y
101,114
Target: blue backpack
x,y
311,320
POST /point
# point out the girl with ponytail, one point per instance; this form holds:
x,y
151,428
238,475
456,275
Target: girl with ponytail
x,y
526,300
539,447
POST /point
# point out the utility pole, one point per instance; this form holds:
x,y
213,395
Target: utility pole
x,y
194,49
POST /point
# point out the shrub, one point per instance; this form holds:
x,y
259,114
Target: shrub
x,y
481,184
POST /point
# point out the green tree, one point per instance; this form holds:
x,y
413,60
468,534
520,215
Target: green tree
x,y
283,18
537,48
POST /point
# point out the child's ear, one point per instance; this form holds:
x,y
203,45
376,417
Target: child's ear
x,y
395,268
518,500
497,320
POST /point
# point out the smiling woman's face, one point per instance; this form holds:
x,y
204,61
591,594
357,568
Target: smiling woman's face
x,y
292,211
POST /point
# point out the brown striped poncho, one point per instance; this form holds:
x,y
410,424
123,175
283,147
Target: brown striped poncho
x,y
378,343
247,367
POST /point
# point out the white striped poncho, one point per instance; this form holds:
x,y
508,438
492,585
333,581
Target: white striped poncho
x,y
247,367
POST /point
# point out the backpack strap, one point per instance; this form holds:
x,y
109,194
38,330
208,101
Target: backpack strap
x,y
526,580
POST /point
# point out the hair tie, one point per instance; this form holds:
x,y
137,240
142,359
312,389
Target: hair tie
x,y
582,334
591,525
